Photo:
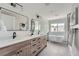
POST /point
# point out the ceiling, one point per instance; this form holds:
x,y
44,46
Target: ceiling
x,y
47,10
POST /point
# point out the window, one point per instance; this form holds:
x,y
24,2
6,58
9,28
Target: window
x,y
53,28
57,27
61,27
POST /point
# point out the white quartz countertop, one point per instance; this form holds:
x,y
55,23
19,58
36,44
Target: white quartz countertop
x,y
7,42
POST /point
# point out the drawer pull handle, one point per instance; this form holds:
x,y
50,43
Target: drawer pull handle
x,y
34,40
33,52
20,50
39,47
38,38
17,52
34,45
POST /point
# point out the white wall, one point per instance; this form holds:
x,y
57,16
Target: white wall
x,y
44,26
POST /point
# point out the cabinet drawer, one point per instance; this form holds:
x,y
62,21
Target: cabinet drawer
x,y
34,53
33,45
33,48
33,41
39,39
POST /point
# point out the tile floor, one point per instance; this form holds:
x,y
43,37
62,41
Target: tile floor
x,y
55,49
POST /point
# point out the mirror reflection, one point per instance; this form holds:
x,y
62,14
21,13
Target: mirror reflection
x,y
13,21
35,26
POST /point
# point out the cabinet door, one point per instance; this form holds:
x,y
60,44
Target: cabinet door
x,y
26,51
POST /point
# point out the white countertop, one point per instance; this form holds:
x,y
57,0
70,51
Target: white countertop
x,y
7,42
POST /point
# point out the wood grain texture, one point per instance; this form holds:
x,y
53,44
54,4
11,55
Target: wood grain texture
x,y
25,48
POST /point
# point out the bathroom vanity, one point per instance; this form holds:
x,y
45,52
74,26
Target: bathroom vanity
x,y
19,43
28,46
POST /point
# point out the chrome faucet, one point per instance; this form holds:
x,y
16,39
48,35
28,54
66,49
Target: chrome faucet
x,y
14,35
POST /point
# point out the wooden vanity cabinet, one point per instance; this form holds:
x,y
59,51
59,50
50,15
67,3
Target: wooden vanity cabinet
x,y
27,48
38,44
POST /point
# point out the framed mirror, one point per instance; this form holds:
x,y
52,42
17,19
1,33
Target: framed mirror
x,y
13,21
35,27
32,26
